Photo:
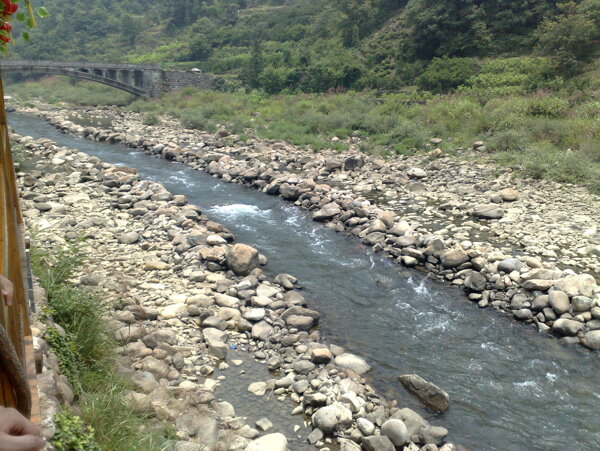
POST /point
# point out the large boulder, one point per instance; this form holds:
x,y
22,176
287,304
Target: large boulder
x,y
475,282
566,327
578,285
453,258
432,396
488,211
327,212
352,362
559,301
333,417
378,443
269,442
242,259
592,339
411,419
354,162
396,431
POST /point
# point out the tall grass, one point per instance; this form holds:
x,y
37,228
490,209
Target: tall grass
x,y
77,92
87,355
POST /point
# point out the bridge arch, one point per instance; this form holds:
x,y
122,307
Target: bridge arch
x,y
83,74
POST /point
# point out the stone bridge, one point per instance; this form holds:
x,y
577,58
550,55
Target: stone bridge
x,y
139,79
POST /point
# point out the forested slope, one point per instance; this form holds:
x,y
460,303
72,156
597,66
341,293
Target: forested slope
x,y
317,45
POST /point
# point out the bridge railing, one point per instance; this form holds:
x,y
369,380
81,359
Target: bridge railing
x,y
78,64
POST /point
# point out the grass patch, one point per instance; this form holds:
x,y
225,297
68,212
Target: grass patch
x,y
86,355
520,126
77,92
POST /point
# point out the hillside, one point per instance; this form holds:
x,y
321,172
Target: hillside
x,y
315,45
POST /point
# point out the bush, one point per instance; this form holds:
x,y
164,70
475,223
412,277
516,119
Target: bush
x,y
507,140
447,74
72,435
547,106
150,119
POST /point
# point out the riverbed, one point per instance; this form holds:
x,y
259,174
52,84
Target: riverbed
x,y
511,387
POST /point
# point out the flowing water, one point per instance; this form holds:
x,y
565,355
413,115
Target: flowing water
x,y
511,388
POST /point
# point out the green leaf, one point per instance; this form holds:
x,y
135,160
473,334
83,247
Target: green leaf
x,y
26,36
42,12
29,22
20,17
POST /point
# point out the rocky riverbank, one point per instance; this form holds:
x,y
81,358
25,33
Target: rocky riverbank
x,y
188,302
519,246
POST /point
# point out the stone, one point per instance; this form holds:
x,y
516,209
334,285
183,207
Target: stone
x,y
396,431
262,331
387,218
488,211
365,426
509,194
377,443
475,282
303,366
269,442
321,356
189,423
327,212
299,322
411,419
581,304
452,258
254,314
559,301
258,388
433,435
242,259
352,362
537,284
315,436
224,300
566,327
174,311
540,302
155,265
577,285
354,162
509,265
332,417
264,424
591,339
129,238
431,395
416,173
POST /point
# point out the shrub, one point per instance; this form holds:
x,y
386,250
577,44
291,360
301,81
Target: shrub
x,y
72,435
547,106
507,140
447,74
150,119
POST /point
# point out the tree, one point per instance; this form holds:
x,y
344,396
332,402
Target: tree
x,y
443,28
255,66
572,38
200,48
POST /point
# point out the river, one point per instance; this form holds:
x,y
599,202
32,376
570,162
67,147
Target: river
x,y
511,387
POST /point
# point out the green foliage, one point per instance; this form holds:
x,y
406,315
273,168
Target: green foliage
x,y
150,119
66,353
447,74
72,434
510,76
571,38
86,356
79,92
